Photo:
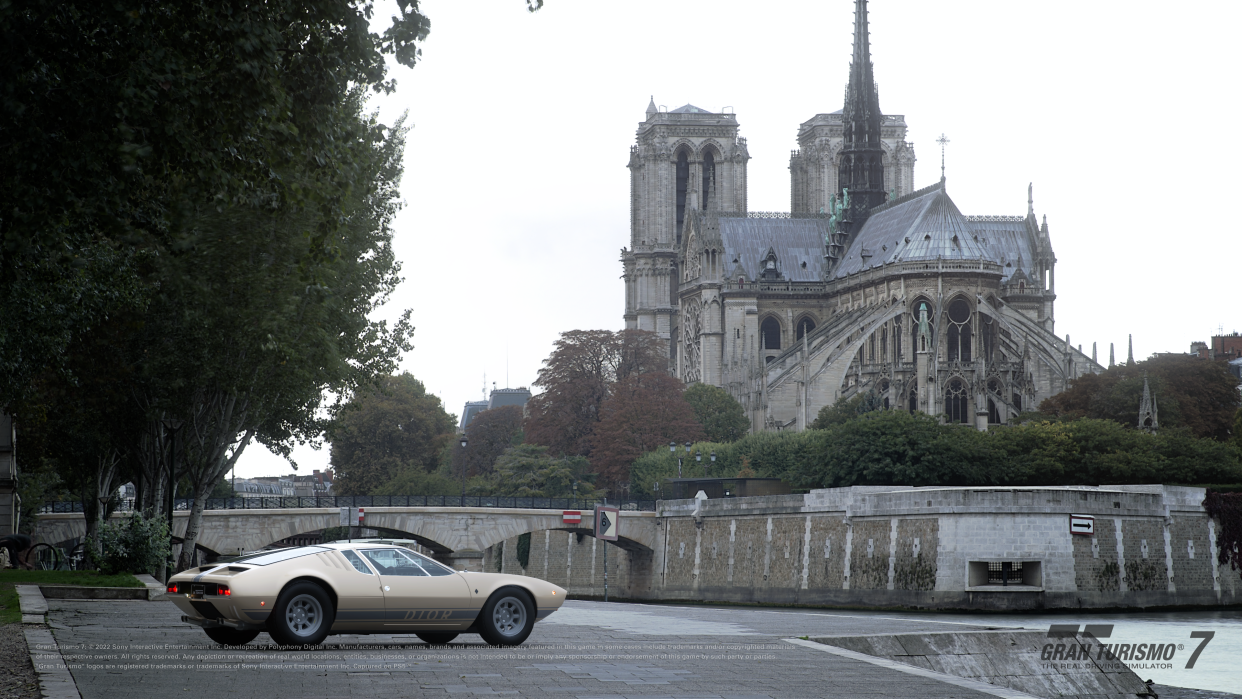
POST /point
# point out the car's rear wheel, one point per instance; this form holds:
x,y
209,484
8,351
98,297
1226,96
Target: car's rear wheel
x,y
437,638
508,617
302,616
226,636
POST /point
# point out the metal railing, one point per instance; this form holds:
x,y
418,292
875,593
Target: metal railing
x,y
334,501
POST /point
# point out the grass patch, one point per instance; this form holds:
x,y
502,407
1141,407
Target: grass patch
x,y
10,610
88,578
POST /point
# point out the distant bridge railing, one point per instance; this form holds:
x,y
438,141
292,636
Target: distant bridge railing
x,y
69,506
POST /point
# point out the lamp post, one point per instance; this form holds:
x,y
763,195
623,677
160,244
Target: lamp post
x,y
463,469
575,495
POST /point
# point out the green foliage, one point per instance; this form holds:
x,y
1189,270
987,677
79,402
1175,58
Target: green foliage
x,y
528,470
523,550
118,121
1194,394
898,448
415,481
1237,427
846,409
36,486
487,436
722,417
393,432
135,545
222,489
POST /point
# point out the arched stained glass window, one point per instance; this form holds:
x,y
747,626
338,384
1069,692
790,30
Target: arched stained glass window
x,y
771,331
956,402
959,336
805,326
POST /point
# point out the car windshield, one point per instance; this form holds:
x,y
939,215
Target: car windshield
x,y
402,562
263,558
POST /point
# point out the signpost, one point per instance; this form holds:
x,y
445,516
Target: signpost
x,y
1082,524
606,521
350,516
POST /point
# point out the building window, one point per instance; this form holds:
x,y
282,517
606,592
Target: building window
x,y
805,326
897,338
709,176
956,402
771,332
914,397
683,181
959,331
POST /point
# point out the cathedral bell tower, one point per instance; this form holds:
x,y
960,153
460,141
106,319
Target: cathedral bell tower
x,y
685,159
861,168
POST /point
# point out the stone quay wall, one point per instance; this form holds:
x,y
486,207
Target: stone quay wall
x,y
903,547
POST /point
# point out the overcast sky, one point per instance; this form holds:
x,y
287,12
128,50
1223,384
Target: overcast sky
x,y
516,189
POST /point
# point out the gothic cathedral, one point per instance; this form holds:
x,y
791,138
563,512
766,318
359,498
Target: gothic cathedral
x,y
865,286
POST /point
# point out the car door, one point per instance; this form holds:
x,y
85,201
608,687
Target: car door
x,y
360,597
419,593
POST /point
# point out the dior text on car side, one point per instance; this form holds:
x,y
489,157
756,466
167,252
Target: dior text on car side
x,y
301,595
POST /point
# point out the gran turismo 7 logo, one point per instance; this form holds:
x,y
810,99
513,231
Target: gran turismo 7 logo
x,y
1087,646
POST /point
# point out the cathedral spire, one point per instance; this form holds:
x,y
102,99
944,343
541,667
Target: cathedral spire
x,y
651,108
1147,419
862,160
1130,353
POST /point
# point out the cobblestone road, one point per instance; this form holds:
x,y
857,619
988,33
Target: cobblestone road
x,y
587,650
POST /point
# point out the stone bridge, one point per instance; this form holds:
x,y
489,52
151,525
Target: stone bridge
x,y
448,531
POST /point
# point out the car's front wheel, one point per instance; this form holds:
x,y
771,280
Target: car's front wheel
x,y
226,636
508,617
437,638
302,615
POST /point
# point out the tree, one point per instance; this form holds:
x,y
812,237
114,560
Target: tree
x,y
1201,396
529,470
644,412
488,435
576,380
846,409
386,431
119,121
722,417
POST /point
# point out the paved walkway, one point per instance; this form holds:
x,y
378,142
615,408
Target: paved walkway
x,y
587,650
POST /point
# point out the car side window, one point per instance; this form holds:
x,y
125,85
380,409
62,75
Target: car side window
x,y
393,562
429,565
356,562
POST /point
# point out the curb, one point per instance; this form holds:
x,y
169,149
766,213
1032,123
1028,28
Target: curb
x,y
32,603
155,588
55,680
83,592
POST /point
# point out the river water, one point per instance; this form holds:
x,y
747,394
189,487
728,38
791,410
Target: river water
x,y
1218,667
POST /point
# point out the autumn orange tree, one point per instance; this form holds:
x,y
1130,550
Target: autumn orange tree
x,y
578,377
645,412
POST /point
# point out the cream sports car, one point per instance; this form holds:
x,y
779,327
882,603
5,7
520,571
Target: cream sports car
x,y
300,595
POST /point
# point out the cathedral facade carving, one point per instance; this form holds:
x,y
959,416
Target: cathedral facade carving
x,y
866,285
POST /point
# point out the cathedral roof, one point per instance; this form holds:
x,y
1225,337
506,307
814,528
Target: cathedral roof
x,y
925,225
690,109
1009,239
797,242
